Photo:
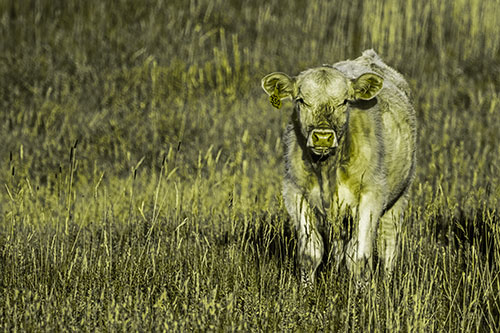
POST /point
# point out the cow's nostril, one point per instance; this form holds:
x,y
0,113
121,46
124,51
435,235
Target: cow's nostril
x,y
323,138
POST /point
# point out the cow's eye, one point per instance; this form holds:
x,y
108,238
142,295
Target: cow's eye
x,y
301,102
343,103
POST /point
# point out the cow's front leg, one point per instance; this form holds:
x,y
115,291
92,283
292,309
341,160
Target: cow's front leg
x,y
310,243
359,249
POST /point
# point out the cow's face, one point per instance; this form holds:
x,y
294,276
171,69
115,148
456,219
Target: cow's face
x,y
320,97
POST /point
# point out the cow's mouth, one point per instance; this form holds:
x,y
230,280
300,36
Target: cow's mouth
x,y
321,154
321,151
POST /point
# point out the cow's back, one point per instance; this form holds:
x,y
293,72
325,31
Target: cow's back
x,y
371,62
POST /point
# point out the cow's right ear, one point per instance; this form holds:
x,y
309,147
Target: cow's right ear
x,y
278,84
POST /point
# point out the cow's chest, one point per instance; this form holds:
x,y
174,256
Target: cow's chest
x,y
333,196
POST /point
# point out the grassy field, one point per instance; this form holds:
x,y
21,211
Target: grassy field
x,y
141,166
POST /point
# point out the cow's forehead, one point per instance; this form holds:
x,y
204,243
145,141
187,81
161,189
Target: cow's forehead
x,y
319,85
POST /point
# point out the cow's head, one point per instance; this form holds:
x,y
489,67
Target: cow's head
x,y
321,98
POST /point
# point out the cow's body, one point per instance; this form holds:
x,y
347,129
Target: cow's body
x,y
350,151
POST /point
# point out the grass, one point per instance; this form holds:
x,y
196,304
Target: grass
x,y
141,166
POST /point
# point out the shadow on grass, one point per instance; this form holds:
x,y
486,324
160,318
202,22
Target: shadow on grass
x,y
469,232
477,228
272,237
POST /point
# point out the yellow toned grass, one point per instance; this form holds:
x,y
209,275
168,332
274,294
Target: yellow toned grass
x,y
141,166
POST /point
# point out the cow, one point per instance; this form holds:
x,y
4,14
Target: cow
x,y
349,154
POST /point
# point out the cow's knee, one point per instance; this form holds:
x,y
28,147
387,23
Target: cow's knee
x,y
388,233
310,255
358,262
387,250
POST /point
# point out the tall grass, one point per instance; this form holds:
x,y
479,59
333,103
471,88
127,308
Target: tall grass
x,y
141,166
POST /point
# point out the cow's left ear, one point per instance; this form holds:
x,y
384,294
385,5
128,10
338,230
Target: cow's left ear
x,y
367,86
279,84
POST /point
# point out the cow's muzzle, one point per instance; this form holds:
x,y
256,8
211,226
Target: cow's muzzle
x,y
322,140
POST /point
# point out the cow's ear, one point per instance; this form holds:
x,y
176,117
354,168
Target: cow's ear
x,y
367,86
278,84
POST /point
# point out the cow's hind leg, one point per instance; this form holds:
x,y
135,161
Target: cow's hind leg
x,y
388,233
